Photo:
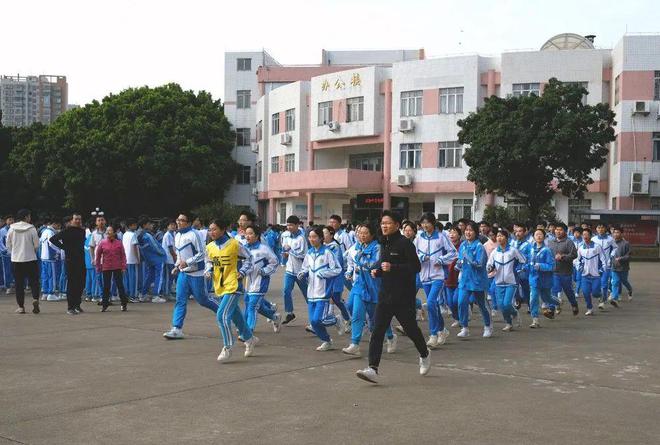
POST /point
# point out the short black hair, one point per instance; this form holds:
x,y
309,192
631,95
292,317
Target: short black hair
x,y
587,229
503,232
130,221
293,219
143,221
189,216
473,225
330,229
388,213
221,223
256,229
336,218
248,214
484,222
428,217
22,214
617,227
318,230
561,225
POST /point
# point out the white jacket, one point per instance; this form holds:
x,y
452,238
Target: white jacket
x,y
504,264
591,259
296,247
22,242
264,264
434,251
319,267
191,250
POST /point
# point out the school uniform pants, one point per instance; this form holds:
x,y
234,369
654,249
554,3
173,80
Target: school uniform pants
x,y
364,311
228,312
316,310
7,271
131,280
289,281
590,288
255,305
464,297
504,296
49,276
563,282
619,278
432,290
187,285
451,297
605,283
538,295
522,296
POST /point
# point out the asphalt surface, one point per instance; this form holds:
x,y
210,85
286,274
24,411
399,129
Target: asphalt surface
x,y
112,378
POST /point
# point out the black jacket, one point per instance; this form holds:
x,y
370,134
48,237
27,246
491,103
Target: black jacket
x,y
399,284
72,241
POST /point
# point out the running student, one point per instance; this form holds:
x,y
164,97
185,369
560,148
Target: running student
x,y
620,260
565,253
331,243
523,243
591,260
398,267
540,265
294,248
451,280
504,262
606,242
434,251
264,264
227,263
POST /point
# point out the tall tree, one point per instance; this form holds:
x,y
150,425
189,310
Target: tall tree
x,y
531,147
144,150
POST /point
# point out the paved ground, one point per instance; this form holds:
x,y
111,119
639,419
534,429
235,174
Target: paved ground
x,y
111,378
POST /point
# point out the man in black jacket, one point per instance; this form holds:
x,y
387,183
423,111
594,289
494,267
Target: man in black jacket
x,y
72,241
398,269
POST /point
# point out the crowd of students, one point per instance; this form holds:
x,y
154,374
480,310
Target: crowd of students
x,y
379,267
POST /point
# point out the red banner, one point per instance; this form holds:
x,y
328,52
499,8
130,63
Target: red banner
x,y
640,233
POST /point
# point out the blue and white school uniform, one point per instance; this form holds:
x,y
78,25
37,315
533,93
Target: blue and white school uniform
x,y
5,256
89,270
152,257
591,262
472,281
505,262
541,266
522,274
338,284
345,241
190,281
319,268
264,264
168,265
350,273
295,245
434,251
50,266
606,242
131,277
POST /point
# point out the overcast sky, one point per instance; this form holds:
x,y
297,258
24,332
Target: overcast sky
x,y
106,46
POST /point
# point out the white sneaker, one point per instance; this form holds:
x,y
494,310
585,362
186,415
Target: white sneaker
x,y
589,312
158,300
249,346
340,325
325,346
44,297
174,334
443,336
391,344
488,331
145,299
369,374
277,323
425,364
455,324
432,342
535,323
52,297
352,349
507,327
465,332
601,306
225,355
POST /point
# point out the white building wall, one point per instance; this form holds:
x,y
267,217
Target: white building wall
x,y
290,96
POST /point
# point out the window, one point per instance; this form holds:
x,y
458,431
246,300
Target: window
x,y
260,130
367,161
656,88
275,123
451,100
525,89
290,118
283,213
655,203
461,208
243,99
289,162
355,109
325,113
243,64
243,174
617,89
656,147
450,154
242,137
410,156
260,172
275,164
577,204
411,103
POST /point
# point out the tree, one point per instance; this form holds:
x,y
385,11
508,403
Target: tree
x,y
145,150
531,147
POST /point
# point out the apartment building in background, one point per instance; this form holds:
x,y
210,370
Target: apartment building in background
x,y
363,131
25,100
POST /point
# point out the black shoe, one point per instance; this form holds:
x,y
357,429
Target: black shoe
x,y
35,307
289,318
104,308
123,307
99,303
576,310
79,310
72,312
614,303
517,304
549,313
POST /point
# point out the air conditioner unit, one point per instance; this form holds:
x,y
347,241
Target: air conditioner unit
x,y
254,147
642,107
333,126
639,184
403,180
285,139
406,125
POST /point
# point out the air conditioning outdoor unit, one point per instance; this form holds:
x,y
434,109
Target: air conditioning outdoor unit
x,y
403,180
285,139
406,125
642,107
639,184
333,126
254,147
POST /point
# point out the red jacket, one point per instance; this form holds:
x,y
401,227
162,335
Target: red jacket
x,y
110,255
451,280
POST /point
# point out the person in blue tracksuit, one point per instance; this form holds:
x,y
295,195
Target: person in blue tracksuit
x,y
294,249
591,263
365,289
504,261
343,237
540,264
272,238
170,259
434,251
132,251
318,269
333,245
5,257
523,243
50,265
189,268
350,274
264,265
152,255
473,280
606,242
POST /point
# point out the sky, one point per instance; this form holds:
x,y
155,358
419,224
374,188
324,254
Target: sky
x,y
106,46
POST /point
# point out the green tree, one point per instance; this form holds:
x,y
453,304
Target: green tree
x,y
144,150
530,147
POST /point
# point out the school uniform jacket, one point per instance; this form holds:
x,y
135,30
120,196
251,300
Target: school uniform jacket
x,y
472,264
264,264
320,267
190,249
297,248
606,242
434,252
541,264
591,259
505,263
367,258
